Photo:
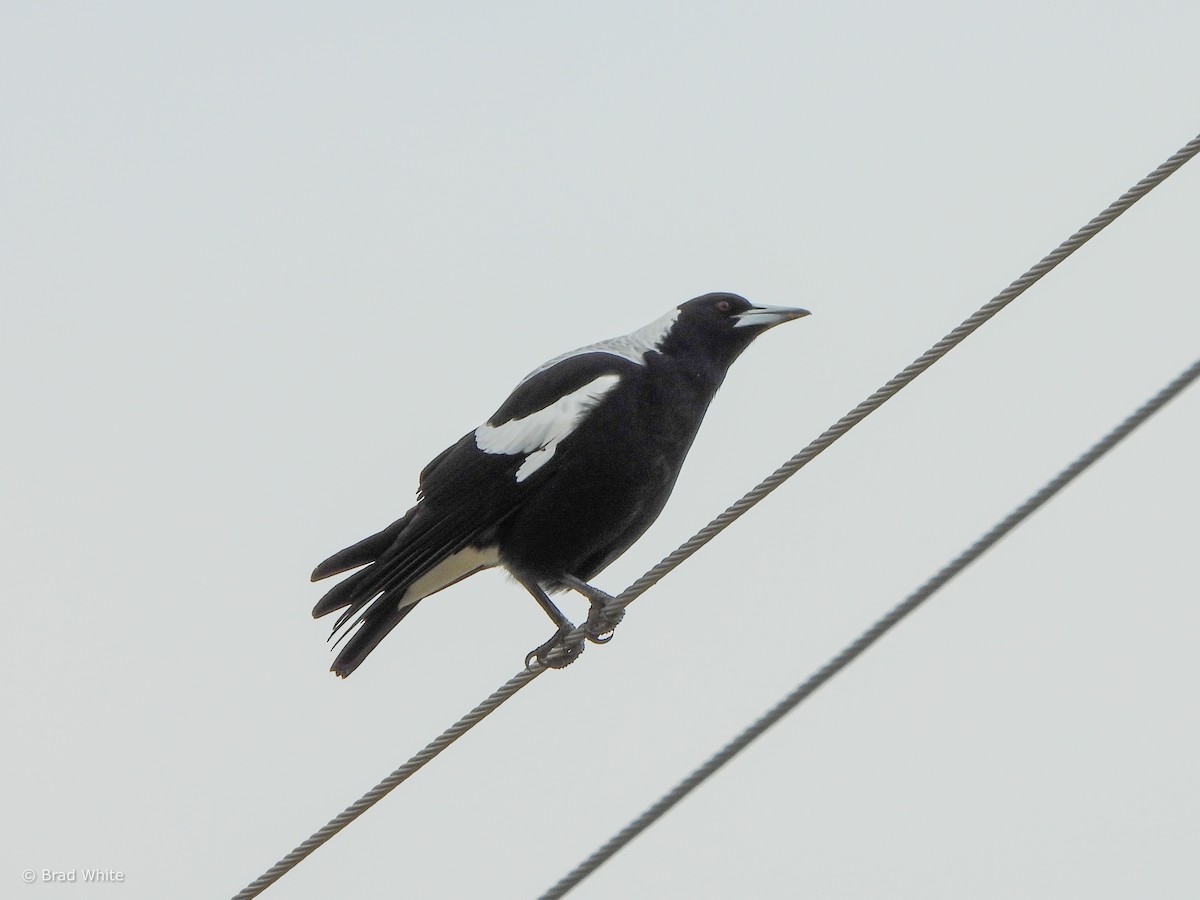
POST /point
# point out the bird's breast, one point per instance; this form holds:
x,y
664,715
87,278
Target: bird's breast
x,y
609,481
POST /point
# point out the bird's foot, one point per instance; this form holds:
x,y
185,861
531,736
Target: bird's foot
x,y
604,613
541,655
604,616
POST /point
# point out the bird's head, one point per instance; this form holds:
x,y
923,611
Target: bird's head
x,y
720,326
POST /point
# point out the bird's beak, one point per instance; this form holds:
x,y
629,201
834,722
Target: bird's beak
x,y
767,316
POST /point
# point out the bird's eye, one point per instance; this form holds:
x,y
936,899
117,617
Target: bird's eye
x,y
724,306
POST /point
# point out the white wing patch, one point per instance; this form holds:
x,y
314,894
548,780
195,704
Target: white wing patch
x,y
539,433
633,346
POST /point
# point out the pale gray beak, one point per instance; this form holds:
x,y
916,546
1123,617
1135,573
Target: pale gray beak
x,y
767,316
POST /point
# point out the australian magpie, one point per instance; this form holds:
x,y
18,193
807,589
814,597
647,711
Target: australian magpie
x,y
572,469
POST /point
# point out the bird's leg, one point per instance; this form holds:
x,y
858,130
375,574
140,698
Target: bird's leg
x,y
565,627
604,614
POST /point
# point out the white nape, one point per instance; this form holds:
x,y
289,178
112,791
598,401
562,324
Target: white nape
x,y
633,346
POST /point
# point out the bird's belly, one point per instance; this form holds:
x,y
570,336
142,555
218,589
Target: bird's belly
x,y
576,526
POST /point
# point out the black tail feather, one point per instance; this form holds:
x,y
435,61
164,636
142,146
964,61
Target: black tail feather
x,y
391,562
367,550
357,591
352,594
373,626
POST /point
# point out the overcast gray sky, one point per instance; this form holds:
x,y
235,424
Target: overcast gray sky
x,y
262,262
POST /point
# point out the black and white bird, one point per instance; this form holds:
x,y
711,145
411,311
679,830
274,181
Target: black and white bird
x,y
572,469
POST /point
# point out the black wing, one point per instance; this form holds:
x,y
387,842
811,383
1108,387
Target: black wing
x,y
465,495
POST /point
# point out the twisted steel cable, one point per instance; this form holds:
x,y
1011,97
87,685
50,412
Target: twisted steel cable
x,y
721,522
870,636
